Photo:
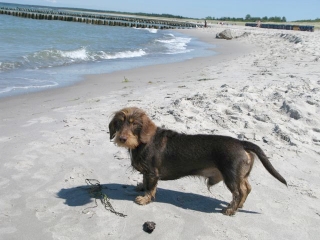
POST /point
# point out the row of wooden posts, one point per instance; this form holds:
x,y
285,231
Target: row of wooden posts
x,y
99,19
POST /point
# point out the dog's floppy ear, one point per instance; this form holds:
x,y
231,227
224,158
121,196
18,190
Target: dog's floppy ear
x,y
112,128
148,129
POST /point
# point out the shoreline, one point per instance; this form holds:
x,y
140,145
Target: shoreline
x,y
262,88
93,85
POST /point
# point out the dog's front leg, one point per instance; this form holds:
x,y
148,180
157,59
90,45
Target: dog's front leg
x,y
142,186
150,182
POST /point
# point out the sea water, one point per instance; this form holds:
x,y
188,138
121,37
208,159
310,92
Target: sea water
x,y
42,54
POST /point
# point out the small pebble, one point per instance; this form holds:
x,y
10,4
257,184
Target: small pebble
x,y
149,227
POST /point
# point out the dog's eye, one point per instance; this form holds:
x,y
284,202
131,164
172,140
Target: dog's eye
x,y
136,125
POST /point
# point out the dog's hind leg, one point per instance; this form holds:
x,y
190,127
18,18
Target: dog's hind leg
x,y
235,177
245,189
236,198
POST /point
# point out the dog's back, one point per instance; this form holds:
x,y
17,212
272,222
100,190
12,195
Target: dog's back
x,y
187,155
180,155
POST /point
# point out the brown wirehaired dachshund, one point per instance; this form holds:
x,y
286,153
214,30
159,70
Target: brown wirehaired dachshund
x,y
161,154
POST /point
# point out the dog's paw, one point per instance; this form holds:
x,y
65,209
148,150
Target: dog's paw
x,y
228,212
142,200
240,206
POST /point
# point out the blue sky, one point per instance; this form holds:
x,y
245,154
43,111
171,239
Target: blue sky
x,y
291,9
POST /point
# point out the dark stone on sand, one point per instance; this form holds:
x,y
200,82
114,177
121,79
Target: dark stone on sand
x,y
149,227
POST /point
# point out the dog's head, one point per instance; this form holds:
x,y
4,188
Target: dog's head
x,y
131,127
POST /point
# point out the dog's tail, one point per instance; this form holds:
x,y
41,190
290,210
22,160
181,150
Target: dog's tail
x,y
264,159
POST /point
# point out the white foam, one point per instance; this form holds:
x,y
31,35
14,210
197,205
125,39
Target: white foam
x,y
176,45
83,54
80,54
124,54
151,30
54,57
7,66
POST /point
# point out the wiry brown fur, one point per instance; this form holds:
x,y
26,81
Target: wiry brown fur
x,y
161,154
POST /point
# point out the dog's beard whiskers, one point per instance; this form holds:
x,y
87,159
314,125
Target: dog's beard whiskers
x,y
125,145
131,143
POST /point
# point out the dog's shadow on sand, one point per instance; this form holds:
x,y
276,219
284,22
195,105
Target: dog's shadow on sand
x,y
80,196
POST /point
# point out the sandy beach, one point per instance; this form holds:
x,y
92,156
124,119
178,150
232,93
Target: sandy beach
x,y
262,86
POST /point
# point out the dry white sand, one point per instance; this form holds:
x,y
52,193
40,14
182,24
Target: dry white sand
x,y
263,87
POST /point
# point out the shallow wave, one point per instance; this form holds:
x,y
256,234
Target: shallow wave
x,y
124,54
78,54
55,58
5,66
59,57
84,55
176,45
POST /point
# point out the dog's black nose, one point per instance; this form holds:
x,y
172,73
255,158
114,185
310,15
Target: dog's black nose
x,y
123,139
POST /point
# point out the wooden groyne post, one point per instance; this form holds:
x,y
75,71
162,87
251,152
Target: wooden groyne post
x,y
94,18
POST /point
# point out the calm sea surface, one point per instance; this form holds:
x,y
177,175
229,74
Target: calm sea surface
x,y
41,54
